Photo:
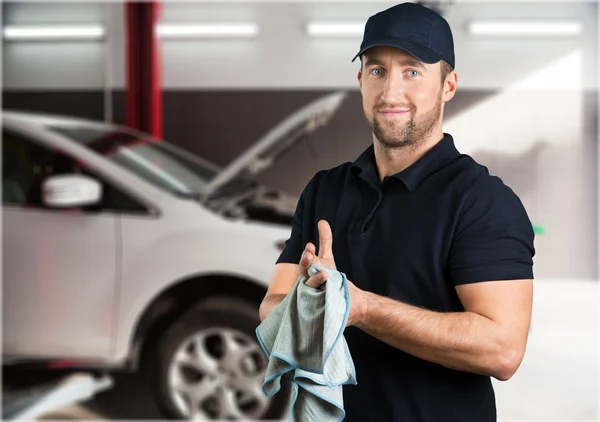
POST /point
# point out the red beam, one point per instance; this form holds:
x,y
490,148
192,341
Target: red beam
x,y
144,97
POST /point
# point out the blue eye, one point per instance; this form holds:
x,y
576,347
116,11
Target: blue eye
x,y
376,70
413,73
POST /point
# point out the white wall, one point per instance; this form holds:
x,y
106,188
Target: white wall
x,y
282,56
535,140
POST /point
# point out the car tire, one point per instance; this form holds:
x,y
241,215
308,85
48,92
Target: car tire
x,y
210,361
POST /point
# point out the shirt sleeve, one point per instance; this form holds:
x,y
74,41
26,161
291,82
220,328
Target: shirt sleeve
x,y
493,238
294,245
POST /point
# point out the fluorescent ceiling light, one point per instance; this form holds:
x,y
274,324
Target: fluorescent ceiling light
x,y
335,29
53,32
195,30
562,28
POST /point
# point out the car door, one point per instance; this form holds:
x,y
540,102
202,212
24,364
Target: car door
x,y
59,266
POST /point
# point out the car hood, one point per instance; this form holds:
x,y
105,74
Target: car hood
x,y
265,152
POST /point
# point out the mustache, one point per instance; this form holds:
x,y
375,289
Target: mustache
x,y
399,106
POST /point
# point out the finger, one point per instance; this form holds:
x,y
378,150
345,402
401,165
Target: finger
x,y
317,280
305,262
325,240
307,257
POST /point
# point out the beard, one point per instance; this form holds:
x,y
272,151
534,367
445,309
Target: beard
x,y
409,135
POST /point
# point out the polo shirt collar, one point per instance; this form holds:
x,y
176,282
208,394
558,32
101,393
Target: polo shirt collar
x,y
445,150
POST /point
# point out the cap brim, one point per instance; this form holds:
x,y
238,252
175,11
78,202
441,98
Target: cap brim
x,y
422,53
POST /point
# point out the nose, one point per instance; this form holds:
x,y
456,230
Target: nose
x,y
393,88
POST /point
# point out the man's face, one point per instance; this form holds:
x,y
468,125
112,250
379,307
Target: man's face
x,y
402,97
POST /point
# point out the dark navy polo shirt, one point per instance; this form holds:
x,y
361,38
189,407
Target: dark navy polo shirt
x,y
442,222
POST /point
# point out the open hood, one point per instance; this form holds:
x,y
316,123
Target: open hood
x,y
278,140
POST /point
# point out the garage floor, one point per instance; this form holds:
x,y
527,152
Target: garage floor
x,y
109,404
558,380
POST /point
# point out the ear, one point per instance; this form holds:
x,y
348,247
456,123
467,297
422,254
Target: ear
x,y
450,85
359,77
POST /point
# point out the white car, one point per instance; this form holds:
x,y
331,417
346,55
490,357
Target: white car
x,y
124,252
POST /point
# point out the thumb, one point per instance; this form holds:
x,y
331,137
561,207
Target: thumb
x,y
325,240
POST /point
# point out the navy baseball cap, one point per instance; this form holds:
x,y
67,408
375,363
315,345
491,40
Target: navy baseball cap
x,y
414,28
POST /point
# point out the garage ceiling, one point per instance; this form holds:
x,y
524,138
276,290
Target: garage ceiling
x,y
283,56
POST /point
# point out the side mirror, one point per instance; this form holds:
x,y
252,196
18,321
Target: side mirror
x,y
71,190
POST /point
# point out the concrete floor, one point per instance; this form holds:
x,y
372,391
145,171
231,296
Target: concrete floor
x,y
110,405
558,380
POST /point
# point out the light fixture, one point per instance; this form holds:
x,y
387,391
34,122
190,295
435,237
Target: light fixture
x,y
206,30
335,29
54,32
525,28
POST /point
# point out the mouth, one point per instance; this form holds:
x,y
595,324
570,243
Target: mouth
x,y
393,113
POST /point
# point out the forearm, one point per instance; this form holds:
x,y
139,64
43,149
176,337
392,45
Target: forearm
x,y
268,304
463,341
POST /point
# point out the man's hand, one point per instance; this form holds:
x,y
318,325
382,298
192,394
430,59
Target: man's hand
x,y
324,258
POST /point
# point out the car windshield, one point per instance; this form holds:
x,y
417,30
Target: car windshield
x,y
158,162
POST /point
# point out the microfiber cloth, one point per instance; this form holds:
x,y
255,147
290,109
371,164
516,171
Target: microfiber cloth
x,y
303,337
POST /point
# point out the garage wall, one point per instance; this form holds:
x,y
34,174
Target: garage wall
x,y
53,65
526,110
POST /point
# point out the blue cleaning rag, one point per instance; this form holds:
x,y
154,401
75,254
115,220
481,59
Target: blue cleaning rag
x,y
303,337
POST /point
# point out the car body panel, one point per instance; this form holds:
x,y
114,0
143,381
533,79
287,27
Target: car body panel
x,y
66,277
187,244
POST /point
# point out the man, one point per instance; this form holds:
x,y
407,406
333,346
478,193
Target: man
x,y
439,253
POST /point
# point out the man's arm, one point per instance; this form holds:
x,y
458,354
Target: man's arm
x,y
282,282
493,240
488,338
288,268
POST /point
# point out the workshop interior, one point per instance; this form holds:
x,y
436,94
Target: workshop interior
x,y
153,154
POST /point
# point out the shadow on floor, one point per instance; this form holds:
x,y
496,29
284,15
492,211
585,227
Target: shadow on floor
x,y
130,398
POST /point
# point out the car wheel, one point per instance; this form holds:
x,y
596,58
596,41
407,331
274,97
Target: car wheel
x,y
209,366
